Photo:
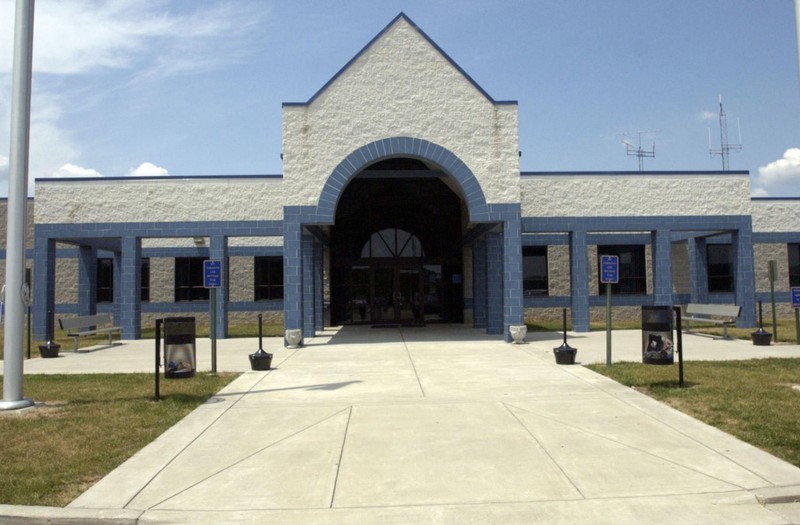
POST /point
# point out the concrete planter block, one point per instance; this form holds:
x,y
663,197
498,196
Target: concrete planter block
x,y
294,338
518,333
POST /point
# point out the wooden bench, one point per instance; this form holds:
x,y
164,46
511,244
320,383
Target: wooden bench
x,y
724,314
88,325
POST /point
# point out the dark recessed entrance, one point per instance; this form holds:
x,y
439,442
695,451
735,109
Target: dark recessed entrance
x,y
395,248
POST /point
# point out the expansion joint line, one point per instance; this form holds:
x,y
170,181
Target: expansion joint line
x,y
341,455
410,360
544,449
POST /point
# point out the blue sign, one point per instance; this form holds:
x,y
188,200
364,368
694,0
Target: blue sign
x,y
796,297
212,273
609,269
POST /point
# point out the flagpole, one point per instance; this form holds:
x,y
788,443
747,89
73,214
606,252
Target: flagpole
x,y
15,287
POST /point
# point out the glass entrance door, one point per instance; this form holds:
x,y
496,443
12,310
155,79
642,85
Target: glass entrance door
x,y
396,295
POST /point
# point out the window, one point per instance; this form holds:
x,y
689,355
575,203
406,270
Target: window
x,y
719,259
105,280
145,280
632,271
534,270
794,264
189,279
392,242
268,278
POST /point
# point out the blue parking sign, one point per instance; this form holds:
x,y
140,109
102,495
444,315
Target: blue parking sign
x,y
609,269
796,297
212,273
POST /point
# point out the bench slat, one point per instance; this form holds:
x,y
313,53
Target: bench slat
x,y
69,323
725,310
88,325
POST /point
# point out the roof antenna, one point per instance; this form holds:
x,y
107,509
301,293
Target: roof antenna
x,y
725,147
638,151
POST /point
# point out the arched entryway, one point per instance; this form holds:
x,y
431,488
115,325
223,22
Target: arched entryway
x,y
395,251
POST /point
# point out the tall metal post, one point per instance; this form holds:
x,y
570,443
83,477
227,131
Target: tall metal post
x,y
17,201
608,323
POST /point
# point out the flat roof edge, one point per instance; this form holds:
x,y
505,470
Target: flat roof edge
x,y
154,177
626,173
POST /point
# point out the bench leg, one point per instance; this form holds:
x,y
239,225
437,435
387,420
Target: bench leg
x,y
109,339
76,344
725,331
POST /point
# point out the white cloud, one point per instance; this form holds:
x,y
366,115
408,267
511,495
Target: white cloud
x,y
83,37
781,173
707,115
145,39
759,192
147,169
71,170
3,163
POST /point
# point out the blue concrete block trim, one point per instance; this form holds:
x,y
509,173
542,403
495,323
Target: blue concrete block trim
x,y
776,237
579,281
494,283
130,304
359,159
479,284
89,232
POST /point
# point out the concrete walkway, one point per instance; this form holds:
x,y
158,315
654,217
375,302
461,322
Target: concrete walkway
x,y
433,425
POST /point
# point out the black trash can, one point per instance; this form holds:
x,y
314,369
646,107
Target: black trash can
x,y
180,349
657,345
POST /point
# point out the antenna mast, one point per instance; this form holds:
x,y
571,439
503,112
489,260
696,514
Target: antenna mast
x,y
725,147
637,151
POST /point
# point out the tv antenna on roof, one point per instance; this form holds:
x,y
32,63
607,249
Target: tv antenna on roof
x,y
725,147
637,150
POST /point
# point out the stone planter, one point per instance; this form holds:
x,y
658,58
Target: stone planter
x,y
294,338
518,333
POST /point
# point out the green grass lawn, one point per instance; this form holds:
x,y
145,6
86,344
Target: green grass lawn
x,y
89,425
752,400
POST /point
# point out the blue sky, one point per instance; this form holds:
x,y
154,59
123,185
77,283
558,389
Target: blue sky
x,y
138,87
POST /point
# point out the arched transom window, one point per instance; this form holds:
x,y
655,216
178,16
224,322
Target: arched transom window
x,y
392,242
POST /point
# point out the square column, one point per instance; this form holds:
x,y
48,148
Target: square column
x,y
292,274
744,275
698,270
579,281
662,267
87,280
319,300
130,304
494,283
117,291
44,287
513,310
218,249
479,290
307,256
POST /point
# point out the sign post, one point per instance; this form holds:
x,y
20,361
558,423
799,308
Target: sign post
x,y
796,306
773,276
212,278
609,274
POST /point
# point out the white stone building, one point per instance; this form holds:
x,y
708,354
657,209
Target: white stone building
x,y
402,201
